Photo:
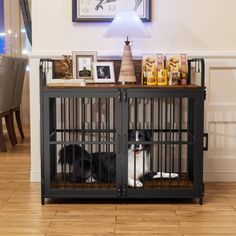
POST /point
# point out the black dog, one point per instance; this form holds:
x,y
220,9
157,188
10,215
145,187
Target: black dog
x,y
79,160
104,164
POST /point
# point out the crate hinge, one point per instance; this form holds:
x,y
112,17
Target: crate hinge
x,y
119,96
124,190
119,190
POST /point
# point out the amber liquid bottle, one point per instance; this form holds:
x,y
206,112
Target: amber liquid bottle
x,y
144,78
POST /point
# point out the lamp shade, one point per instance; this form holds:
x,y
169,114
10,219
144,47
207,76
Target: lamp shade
x,y
127,24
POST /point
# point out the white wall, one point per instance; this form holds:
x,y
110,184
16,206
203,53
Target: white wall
x,y
186,25
199,28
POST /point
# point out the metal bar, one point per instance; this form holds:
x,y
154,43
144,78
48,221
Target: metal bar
x,y
188,131
69,125
180,137
152,127
62,119
83,136
135,113
99,138
158,136
170,146
73,157
144,112
161,123
73,119
64,167
114,130
135,125
114,120
108,137
73,122
62,170
166,125
84,142
64,124
144,119
173,146
129,106
76,117
91,135
69,100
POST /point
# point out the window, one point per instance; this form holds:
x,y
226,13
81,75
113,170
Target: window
x,y
13,37
2,31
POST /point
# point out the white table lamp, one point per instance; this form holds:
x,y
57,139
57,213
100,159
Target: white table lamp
x,y
127,25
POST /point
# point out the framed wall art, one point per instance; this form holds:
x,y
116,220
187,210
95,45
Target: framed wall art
x,y
106,10
83,65
103,72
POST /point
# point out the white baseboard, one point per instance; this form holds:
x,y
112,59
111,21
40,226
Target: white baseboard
x,y
35,176
220,176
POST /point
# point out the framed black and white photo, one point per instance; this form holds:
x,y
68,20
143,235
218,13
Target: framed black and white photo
x,y
106,10
83,65
103,72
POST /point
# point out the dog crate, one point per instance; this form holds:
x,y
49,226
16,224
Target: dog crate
x,y
113,141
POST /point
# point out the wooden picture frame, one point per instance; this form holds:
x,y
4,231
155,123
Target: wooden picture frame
x,y
83,64
100,10
103,72
58,70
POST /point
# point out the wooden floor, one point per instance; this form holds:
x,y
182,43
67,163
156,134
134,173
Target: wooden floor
x,y
21,212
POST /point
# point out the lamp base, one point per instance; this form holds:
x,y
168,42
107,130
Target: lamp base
x,y
127,73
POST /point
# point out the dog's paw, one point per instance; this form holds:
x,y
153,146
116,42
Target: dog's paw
x,y
174,175
157,176
133,183
91,180
138,184
165,175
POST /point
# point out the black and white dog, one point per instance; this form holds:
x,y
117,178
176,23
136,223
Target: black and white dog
x,y
102,166
138,156
138,160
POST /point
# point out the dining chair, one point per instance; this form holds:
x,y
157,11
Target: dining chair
x,y
17,95
8,70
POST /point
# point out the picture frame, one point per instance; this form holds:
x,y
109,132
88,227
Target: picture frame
x,y
83,64
103,72
100,10
58,70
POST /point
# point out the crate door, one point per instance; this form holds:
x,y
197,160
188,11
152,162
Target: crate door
x,y
161,145
80,145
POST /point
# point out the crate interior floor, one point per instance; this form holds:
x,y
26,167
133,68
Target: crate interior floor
x,y
65,183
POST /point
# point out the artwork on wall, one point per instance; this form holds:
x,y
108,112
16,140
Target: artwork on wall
x,y
105,10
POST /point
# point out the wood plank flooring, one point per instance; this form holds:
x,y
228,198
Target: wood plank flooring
x,y
21,212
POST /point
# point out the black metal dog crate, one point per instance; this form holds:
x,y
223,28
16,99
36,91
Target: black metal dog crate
x,y
86,140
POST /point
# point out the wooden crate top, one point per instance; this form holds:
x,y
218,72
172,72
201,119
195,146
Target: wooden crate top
x,y
119,86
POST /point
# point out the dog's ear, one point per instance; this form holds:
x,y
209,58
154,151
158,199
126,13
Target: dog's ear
x,y
148,135
131,134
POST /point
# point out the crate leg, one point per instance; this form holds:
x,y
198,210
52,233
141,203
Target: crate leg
x,y
42,200
201,201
